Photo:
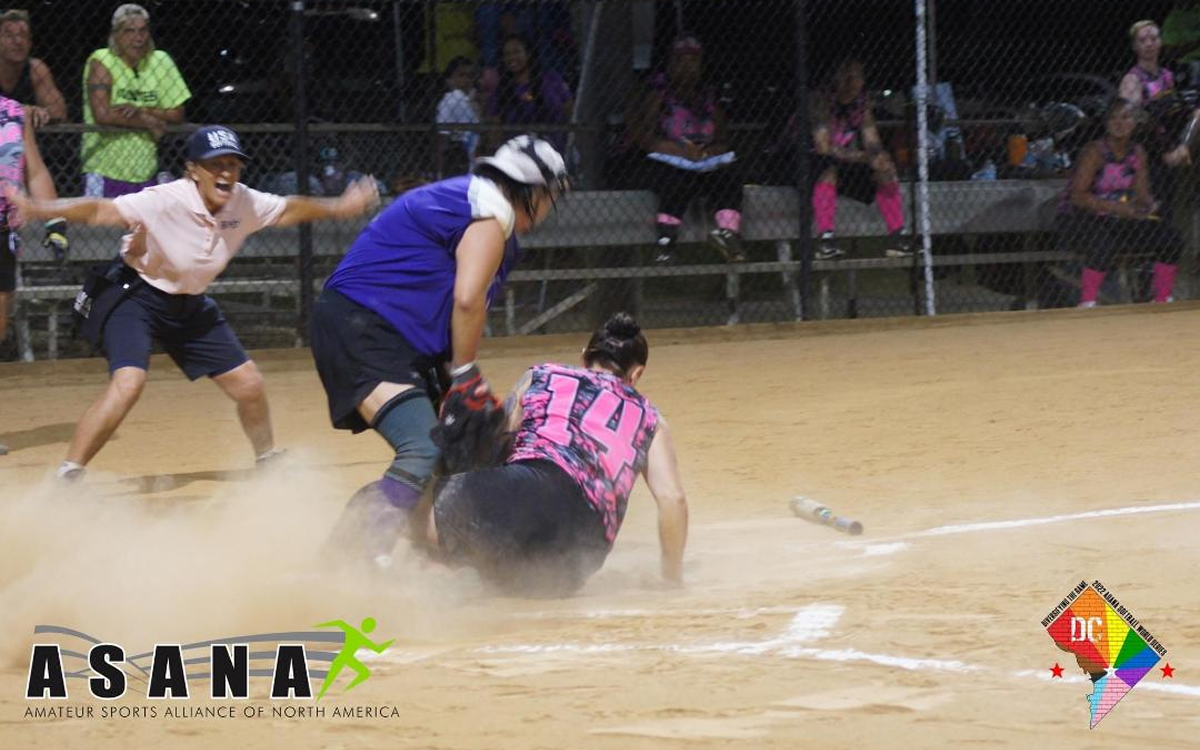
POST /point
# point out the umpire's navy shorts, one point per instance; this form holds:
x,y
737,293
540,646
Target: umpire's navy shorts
x,y
190,328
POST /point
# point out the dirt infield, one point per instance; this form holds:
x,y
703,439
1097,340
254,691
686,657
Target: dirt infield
x,y
787,634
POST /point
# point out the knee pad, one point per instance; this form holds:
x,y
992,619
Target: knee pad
x,y
405,422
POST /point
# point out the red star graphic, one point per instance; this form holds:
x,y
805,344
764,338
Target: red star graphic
x,y
1056,671
1168,670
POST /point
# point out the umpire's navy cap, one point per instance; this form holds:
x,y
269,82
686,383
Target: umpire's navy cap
x,y
213,141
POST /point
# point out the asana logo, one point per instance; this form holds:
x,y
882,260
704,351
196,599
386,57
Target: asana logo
x,y
292,660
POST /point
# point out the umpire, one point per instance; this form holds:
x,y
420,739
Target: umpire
x,y
182,235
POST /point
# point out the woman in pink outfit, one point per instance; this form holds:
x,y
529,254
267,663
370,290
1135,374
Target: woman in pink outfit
x,y
1109,209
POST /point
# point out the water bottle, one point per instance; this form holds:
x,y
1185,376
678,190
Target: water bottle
x,y
988,172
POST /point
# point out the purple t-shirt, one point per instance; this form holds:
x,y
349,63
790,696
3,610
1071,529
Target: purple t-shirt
x,y
403,264
554,96
593,426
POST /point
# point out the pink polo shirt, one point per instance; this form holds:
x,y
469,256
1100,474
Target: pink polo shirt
x,y
186,246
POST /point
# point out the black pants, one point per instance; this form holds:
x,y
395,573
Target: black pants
x,y
1102,239
676,187
525,526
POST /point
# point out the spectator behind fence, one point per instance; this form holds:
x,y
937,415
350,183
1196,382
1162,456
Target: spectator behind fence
x,y
848,158
27,79
1171,123
1109,209
526,95
459,106
128,84
21,166
681,128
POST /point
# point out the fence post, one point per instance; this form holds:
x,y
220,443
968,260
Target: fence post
x,y
803,181
922,219
300,104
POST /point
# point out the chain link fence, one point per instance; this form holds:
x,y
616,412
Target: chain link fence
x,y
739,161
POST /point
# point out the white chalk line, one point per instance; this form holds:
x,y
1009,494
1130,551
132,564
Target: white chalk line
x,y
1022,522
892,544
810,623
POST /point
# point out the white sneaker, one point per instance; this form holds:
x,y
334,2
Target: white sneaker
x,y
69,472
1086,305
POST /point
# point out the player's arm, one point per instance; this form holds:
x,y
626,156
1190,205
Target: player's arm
x,y
359,196
173,115
870,133
99,92
720,142
45,92
645,128
94,211
478,255
666,484
823,144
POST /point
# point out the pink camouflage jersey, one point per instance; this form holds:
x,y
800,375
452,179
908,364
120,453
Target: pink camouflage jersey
x,y
12,154
1114,181
593,426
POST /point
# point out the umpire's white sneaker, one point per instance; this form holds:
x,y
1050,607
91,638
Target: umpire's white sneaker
x,y
69,472
271,458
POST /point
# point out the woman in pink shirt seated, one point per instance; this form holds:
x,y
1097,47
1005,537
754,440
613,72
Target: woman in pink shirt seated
x,y
182,235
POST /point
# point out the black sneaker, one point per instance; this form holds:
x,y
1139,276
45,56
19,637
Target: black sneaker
x,y
827,248
729,243
664,254
898,247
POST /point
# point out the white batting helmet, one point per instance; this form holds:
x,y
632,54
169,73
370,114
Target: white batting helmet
x,y
530,161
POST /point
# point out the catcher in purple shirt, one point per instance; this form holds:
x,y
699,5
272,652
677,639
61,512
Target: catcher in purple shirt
x,y
401,319
544,521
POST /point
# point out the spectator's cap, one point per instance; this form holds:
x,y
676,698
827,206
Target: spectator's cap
x,y
128,11
686,44
213,141
530,161
15,15
1134,29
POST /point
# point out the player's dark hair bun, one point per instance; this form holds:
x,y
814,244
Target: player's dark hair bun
x,y
622,326
618,345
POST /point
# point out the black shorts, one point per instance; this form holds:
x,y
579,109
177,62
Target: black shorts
x,y
854,180
526,526
8,260
190,327
355,350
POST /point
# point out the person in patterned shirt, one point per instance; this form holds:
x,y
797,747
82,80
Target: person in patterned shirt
x,y
545,520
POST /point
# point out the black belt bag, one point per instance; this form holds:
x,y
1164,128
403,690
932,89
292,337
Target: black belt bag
x,y
105,287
